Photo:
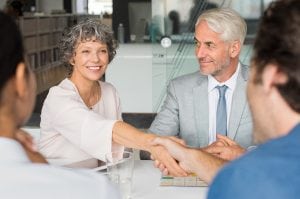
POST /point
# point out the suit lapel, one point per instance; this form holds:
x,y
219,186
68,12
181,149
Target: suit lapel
x,y
201,110
239,101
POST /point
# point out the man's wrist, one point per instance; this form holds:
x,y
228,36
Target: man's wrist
x,y
148,142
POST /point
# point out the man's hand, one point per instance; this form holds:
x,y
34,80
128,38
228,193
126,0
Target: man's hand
x,y
176,148
192,160
165,161
225,148
160,165
29,146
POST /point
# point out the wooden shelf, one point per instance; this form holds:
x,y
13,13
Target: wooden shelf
x,y
41,35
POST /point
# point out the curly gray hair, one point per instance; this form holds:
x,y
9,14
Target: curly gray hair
x,y
85,31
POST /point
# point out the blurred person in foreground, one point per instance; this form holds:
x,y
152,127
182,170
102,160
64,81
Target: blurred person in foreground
x,y
81,116
272,169
23,172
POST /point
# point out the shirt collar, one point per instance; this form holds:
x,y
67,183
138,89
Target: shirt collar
x,y
230,83
11,151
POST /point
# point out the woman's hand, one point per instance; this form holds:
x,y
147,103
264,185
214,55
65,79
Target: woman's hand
x,y
160,165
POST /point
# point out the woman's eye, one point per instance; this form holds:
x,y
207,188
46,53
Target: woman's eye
x,y
85,51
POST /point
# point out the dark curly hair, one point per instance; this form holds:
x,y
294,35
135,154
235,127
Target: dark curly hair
x,y
84,31
277,42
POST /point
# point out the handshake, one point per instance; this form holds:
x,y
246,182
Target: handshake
x,y
173,157
170,155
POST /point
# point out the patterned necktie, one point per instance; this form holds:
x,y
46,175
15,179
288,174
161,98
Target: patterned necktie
x,y
221,111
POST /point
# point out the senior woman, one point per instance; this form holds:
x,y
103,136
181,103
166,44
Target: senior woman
x,y
81,117
17,172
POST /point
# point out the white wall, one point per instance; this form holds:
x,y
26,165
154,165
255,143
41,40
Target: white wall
x,y
47,6
81,6
78,6
139,73
2,4
131,73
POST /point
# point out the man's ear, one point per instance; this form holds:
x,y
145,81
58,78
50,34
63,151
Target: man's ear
x,y
235,49
272,76
21,81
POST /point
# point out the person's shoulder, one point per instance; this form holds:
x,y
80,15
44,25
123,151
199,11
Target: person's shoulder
x,y
245,70
62,92
107,87
78,183
234,179
188,78
261,170
62,87
244,66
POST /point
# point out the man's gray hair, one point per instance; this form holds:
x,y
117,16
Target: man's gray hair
x,y
227,22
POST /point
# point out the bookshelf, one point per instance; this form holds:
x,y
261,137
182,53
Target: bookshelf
x,y
41,35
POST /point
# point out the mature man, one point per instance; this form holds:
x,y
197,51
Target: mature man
x,y
272,170
200,105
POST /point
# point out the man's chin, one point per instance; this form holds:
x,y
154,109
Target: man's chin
x,y
204,72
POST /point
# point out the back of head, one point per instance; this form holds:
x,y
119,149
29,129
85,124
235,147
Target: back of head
x,y
11,48
227,22
278,43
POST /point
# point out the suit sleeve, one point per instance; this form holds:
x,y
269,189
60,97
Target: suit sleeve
x,y
166,122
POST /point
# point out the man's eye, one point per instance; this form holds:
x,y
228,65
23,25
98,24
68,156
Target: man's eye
x,y
85,51
210,45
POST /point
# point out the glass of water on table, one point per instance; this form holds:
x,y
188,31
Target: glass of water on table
x,y
120,169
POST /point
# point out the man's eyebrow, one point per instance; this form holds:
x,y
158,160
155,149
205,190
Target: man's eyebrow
x,y
206,42
209,43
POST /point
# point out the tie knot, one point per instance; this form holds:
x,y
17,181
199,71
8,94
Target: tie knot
x,y
222,90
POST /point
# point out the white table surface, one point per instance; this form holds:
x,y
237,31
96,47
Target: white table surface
x,y
146,180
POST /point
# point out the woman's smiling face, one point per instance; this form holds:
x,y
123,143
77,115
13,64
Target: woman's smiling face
x,y
90,59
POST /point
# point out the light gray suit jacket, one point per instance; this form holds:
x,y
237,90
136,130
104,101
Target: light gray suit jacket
x,y
185,111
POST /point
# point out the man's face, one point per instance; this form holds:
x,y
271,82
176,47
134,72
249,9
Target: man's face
x,y
212,52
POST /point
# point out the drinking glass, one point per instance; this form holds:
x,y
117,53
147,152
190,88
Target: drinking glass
x,y
120,169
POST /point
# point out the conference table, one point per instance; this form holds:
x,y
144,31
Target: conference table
x,y
146,185
146,182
